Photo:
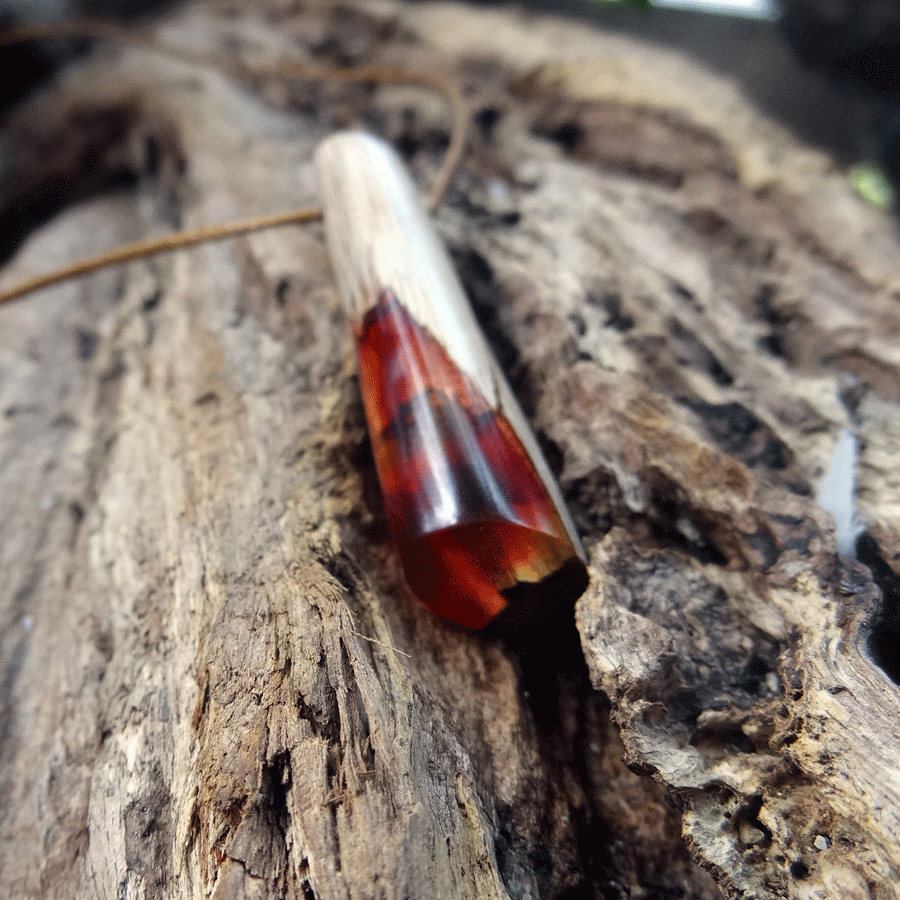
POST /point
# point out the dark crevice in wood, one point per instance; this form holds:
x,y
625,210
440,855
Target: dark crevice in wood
x,y
26,66
77,151
612,303
553,678
91,167
659,147
884,640
484,294
486,118
678,527
276,787
596,503
694,353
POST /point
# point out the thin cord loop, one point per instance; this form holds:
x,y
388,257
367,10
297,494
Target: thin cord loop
x,y
282,70
144,249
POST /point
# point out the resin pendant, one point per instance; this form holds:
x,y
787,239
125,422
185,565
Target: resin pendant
x,y
479,521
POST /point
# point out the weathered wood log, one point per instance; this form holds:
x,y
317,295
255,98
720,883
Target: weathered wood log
x,y
214,680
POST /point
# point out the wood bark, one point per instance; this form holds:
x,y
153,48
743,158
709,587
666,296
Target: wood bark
x,y
215,683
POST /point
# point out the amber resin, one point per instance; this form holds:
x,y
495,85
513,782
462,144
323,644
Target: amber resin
x,y
472,518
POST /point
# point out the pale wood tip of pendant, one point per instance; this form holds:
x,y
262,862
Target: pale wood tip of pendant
x,y
342,146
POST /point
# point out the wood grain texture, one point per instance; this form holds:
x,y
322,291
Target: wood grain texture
x,y
214,682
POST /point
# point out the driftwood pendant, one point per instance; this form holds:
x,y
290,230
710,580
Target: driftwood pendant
x,y
479,521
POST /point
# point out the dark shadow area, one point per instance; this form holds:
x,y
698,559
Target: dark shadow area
x,y
54,157
88,158
28,64
884,641
24,67
556,685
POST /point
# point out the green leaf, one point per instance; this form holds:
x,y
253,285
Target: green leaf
x,y
873,185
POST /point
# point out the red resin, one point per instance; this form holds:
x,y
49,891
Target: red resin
x,y
470,514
